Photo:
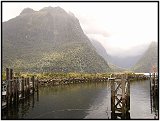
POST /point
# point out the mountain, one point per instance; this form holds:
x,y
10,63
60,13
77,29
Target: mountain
x,y
99,48
121,60
49,40
149,59
116,68
102,52
124,62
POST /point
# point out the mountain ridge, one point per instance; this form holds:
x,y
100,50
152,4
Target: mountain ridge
x,y
46,40
148,60
132,62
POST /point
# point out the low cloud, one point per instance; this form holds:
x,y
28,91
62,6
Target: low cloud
x,y
118,50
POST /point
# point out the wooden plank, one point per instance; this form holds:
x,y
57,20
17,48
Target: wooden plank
x,y
119,102
113,95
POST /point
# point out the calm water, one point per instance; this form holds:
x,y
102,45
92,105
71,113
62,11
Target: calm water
x,y
81,101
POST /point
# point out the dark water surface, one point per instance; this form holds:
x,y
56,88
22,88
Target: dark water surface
x,y
80,101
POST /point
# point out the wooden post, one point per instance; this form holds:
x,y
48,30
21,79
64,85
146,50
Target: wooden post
x,y
37,90
11,74
11,85
123,97
33,89
25,87
8,92
14,90
22,87
112,98
7,73
128,95
33,84
8,86
33,101
37,84
28,83
17,95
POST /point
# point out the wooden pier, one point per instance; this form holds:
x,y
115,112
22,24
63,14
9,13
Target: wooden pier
x,y
120,97
15,89
154,93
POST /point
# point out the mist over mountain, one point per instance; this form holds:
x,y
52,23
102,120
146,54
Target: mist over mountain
x,y
124,62
102,52
121,60
148,60
146,57
49,40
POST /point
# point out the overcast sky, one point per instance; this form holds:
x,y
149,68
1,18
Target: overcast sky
x,y
117,26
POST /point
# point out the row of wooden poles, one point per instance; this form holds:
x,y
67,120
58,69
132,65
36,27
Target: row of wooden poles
x,y
154,83
154,94
19,88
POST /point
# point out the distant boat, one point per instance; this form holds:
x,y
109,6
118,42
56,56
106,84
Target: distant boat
x,y
147,74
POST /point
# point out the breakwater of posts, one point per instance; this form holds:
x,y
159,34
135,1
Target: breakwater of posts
x,y
16,89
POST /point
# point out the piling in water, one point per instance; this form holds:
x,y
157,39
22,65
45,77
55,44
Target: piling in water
x,y
17,88
120,98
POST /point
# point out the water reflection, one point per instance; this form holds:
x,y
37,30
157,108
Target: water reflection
x,y
154,106
20,110
140,100
71,101
81,101
154,96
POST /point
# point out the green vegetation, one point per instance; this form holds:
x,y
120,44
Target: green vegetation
x,y
149,59
74,75
116,68
62,75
